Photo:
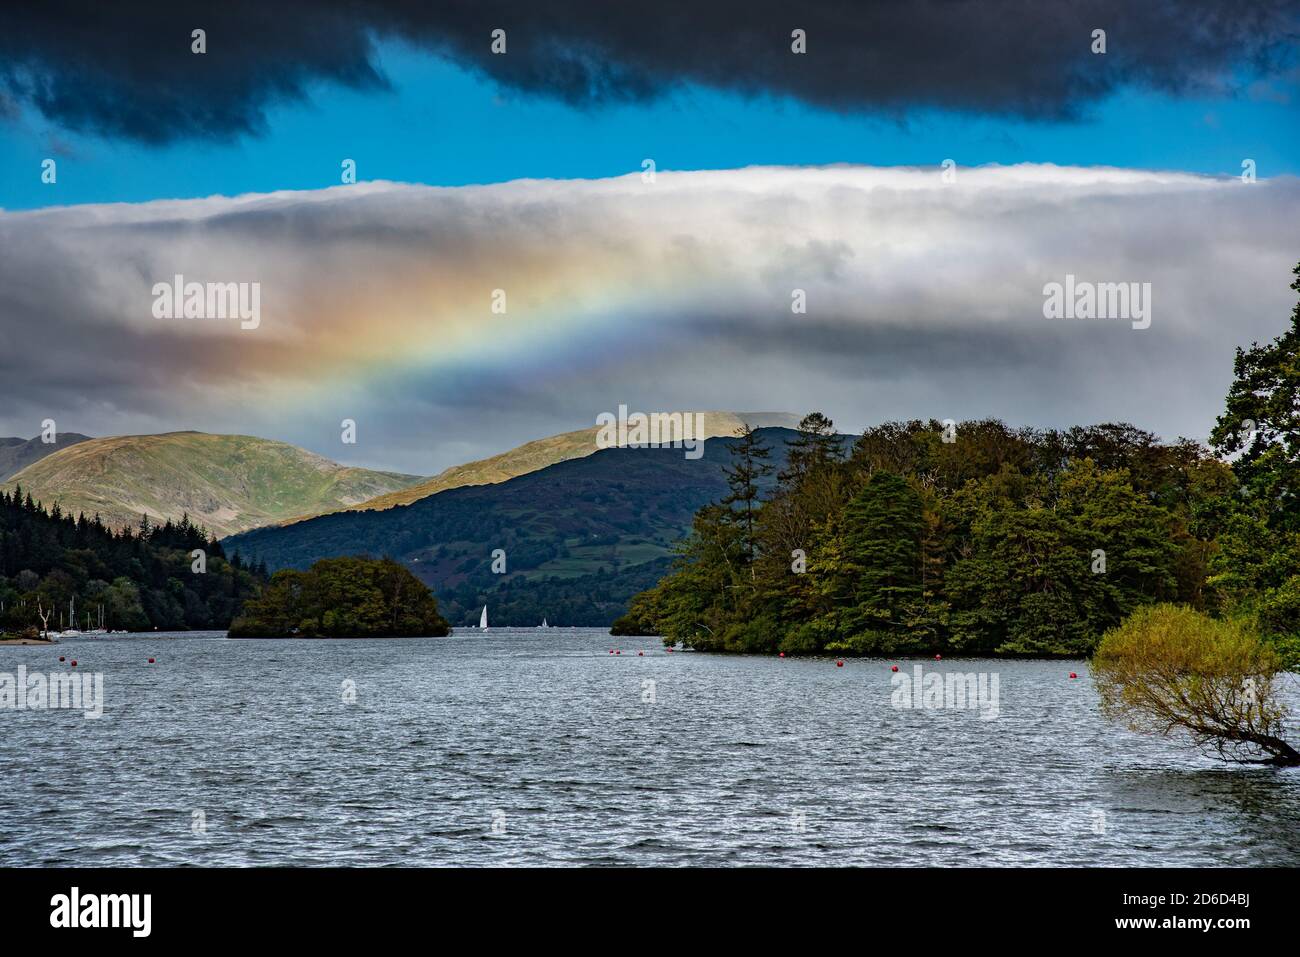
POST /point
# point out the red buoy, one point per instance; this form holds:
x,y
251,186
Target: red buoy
x,y
781,655
618,652
150,661
839,664
1073,675
61,658
640,654
938,657
74,662
895,668
611,651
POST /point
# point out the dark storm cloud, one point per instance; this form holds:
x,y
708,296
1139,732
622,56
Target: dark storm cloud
x,y
125,69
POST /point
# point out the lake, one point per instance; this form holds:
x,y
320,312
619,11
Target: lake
x,y
528,747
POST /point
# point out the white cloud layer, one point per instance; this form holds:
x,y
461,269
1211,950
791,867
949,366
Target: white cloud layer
x,y
924,298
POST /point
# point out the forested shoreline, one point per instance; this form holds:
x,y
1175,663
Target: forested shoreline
x,y
143,578
983,539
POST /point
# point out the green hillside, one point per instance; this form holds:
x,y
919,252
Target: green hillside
x,y
580,537
227,483
551,450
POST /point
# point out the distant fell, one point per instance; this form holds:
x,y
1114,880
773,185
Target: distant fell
x,y
541,453
228,483
16,453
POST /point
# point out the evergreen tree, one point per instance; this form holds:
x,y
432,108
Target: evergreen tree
x,y
815,447
141,582
871,564
748,467
1262,424
1255,569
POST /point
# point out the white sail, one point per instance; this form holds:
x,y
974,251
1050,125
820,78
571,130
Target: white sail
x,y
544,624
482,621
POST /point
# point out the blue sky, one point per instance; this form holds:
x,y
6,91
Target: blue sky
x,y
441,124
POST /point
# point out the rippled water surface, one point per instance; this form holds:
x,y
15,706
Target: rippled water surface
x,y
539,747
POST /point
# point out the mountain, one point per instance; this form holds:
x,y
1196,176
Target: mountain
x,y
16,454
580,537
541,453
227,483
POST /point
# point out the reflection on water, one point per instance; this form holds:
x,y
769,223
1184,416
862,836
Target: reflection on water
x,y
540,747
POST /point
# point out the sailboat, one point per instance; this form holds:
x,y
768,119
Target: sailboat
x,y
72,631
482,621
543,624
100,630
